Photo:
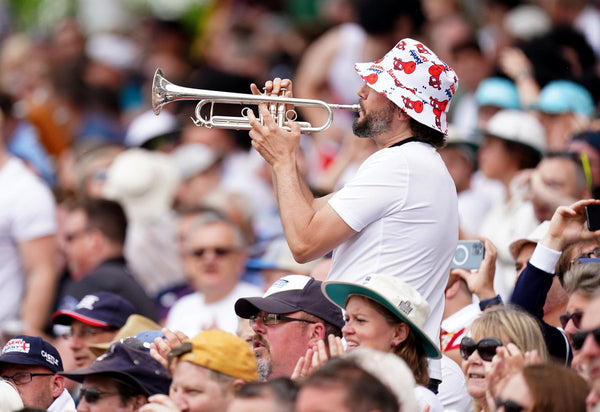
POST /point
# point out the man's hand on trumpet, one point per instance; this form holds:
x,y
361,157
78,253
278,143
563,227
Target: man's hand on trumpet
x,y
275,144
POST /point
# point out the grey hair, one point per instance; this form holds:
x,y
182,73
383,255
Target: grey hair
x,y
583,279
213,216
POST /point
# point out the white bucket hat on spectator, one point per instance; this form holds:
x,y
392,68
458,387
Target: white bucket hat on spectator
x,y
393,294
143,181
517,126
414,78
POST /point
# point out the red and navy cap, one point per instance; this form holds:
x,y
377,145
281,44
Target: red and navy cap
x,y
102,309
31,350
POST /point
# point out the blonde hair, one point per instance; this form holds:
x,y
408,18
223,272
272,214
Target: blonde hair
x,y
514,324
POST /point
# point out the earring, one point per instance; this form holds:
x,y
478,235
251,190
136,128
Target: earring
x,y
393,344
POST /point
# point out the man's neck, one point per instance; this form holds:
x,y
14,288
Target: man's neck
x,y
386,140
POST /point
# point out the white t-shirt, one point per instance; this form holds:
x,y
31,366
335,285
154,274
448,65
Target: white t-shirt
x,y
402,202
453,391
27,211
191,315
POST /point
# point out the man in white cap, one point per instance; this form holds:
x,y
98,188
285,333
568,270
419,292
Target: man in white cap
x,y
398,214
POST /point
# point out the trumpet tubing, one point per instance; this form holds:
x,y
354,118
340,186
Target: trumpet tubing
x,y
165,92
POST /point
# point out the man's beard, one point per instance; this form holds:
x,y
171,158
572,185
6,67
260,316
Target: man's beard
x,y
263,361
374,123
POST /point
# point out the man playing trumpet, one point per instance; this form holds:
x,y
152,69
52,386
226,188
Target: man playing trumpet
x,y
398,214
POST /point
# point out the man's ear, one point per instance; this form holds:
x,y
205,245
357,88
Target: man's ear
x,y
58,384
139,401
317,333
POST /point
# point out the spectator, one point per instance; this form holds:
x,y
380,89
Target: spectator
x,y
27,245
558,180
384,313
95,232
144,182
544,387
121,380
96,318
32,364
214,259
586,341
496,327
276,395
513,141
344,386
562,243
291,316
207,372
460,309
407,123
565,109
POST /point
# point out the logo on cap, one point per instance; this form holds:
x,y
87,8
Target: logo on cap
x,y
87,302
405,306
16,345
49,358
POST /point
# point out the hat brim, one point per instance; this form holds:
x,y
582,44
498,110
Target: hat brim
x,y
247,307
78,375
15,359
339,292
65,317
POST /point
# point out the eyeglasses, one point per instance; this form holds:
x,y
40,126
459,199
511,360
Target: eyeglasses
x,y
578,338
509,405
485,347
92,395
88,331
566,317
219,251
24,377
272,319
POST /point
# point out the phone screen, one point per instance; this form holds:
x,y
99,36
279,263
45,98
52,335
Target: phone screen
x,y
592,214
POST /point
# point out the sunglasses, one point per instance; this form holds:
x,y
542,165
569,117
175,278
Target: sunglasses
x,y
578,338
509,405
93,395
219,251
566,317
485,347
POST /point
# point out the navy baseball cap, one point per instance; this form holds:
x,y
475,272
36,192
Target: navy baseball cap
x,y
102,309
126,362
31,350
292,293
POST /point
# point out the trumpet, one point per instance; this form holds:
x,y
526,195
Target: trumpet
x,y
164,92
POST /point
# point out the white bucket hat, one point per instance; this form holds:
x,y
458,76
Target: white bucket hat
x,y
414,78
392,293
143,181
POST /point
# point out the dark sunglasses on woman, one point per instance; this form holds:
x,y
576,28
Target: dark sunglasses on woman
x,y
486,348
